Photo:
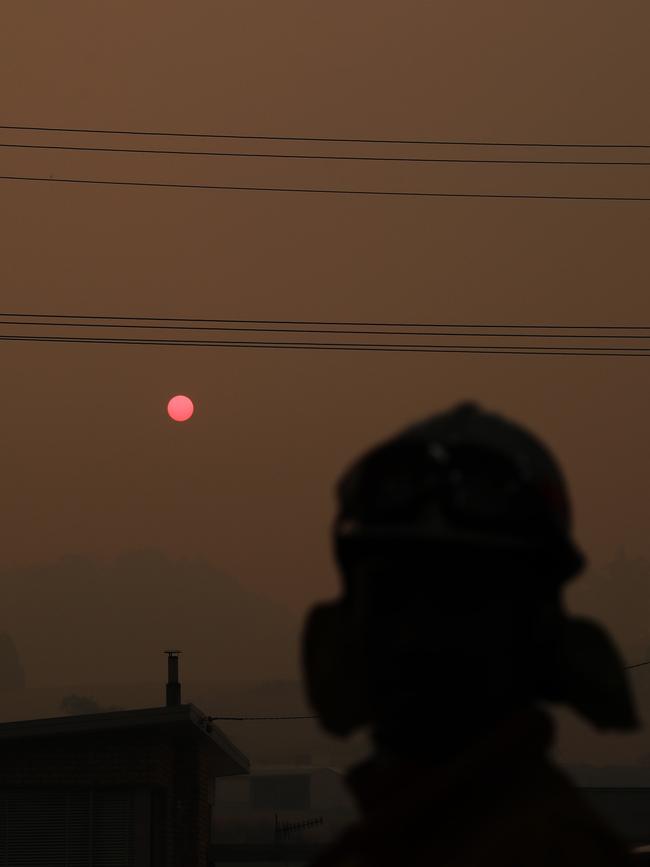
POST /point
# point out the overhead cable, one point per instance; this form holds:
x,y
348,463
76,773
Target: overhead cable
x,y
325,190
632,352
255,329
335,157
313,716
333,139
258,718
333,322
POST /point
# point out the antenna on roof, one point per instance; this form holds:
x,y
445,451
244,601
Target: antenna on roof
x,y
173,684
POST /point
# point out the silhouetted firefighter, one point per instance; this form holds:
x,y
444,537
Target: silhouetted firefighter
x,y
453,541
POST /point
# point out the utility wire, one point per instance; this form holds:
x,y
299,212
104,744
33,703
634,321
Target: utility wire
x,y
638,665
327,139
632,352
266,718
328,191
333,322
345,157
257,718
306,331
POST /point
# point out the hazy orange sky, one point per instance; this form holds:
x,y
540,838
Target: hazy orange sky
x,y
90,464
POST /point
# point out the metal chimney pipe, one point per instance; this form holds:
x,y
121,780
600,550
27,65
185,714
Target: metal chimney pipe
x,y
173,684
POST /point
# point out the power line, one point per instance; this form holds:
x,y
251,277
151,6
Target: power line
x,y
267,718
328,139
276,718
335,322
241,718
638,665
327,191
345,157
632,352
304,331
258,718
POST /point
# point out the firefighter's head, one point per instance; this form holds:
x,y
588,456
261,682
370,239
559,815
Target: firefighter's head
x,y
454,542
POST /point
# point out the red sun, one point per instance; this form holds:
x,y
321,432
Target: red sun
x,y
180,408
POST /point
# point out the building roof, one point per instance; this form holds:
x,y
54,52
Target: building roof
x,y
609,776
154,717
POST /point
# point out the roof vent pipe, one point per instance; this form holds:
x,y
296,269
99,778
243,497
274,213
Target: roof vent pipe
x,y
173,684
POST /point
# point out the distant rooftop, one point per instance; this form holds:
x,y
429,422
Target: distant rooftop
x,y
121,720
609,776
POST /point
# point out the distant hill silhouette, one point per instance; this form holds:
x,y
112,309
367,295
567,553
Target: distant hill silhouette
x,y
75,705
12,673
85,620
618,595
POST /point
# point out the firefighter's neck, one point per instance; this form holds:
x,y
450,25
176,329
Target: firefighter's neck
x,y
436,741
